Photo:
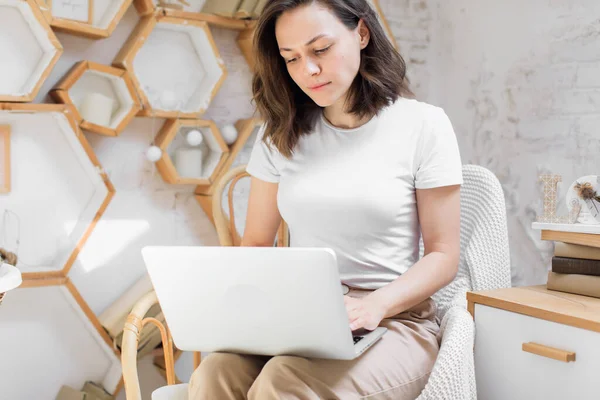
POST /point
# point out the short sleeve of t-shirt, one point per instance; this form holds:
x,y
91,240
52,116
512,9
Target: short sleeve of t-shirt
x,y
262,163
438,156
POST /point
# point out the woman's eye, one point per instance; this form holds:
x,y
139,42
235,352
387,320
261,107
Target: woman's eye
x,y
321,51
290,61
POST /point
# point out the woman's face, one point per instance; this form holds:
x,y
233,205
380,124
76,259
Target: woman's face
x,y
321,54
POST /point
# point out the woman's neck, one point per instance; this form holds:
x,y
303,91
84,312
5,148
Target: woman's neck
x,y
340,118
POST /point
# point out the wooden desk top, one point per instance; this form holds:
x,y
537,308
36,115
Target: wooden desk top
x,y
539,302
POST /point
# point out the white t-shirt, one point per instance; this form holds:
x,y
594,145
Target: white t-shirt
x,y
353,190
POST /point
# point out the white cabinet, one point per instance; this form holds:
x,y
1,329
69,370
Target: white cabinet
x,y
531,343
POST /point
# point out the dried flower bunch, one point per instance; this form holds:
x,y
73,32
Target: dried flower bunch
x,y
586,191
8,257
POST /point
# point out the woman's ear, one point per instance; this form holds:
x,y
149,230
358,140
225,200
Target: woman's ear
x,y
363,33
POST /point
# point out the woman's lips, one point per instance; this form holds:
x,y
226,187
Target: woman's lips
x,y
317,87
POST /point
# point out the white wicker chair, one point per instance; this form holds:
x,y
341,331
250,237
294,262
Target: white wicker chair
x,y
484,264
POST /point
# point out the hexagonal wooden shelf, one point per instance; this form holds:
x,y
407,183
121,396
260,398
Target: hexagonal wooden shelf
x,y
208,158
175,66
58,305
94,19
247,130
61,168
29,50
104,97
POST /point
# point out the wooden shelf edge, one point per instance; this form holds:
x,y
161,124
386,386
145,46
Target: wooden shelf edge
x,y
212,19
474,298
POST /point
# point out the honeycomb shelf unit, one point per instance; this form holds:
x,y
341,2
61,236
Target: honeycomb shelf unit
x,y
56,306
30,50
247,131
74,183
208,158
183,80
103,97
239,154
93,19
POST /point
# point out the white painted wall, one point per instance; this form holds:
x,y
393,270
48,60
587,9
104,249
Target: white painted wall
x,y
518,79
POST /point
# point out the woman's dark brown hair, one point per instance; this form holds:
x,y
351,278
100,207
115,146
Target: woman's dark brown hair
x,y
288,112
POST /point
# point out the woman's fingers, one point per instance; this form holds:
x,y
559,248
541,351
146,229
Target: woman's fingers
x,y
357,324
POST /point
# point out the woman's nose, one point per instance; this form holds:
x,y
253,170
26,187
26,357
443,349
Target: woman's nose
x,y
312,68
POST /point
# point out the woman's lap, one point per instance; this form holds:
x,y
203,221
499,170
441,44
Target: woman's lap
x,y
397,367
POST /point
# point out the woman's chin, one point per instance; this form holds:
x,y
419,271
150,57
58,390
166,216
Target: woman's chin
x,y
323,101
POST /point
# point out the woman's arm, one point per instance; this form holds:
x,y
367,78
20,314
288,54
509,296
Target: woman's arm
x,y
439,217
263,218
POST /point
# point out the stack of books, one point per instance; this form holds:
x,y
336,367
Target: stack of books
x,y
575,269
240,9
90,391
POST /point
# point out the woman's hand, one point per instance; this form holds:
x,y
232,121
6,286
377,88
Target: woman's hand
x,y
363,313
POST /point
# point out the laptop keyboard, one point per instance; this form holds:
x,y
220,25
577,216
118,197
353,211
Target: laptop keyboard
x,y
357,338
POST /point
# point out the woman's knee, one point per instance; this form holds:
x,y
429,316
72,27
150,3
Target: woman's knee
x,y
215,370
281,376
216,364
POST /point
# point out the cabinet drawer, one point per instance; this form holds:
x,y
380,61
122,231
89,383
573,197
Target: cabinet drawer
x,y
505,371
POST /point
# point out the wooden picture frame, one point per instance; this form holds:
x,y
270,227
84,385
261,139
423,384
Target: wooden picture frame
x,y
5,159
60,5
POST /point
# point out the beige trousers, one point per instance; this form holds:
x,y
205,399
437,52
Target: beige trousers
x,y
396,367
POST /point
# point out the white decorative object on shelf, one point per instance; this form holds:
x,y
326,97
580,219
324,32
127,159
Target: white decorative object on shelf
x,y
103,96
194,137
584,192
97,108
154,153
550,199
229,133
188,162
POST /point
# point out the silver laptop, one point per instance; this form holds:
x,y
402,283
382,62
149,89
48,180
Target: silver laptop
x,y
255,300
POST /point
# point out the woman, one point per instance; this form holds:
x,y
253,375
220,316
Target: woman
x,y
349,164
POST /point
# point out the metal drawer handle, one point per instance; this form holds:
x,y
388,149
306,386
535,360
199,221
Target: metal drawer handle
x,y
550,352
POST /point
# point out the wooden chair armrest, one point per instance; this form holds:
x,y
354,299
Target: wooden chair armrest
x,y
131,335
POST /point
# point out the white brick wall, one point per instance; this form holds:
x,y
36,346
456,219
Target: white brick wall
x,y
411,23
521,84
